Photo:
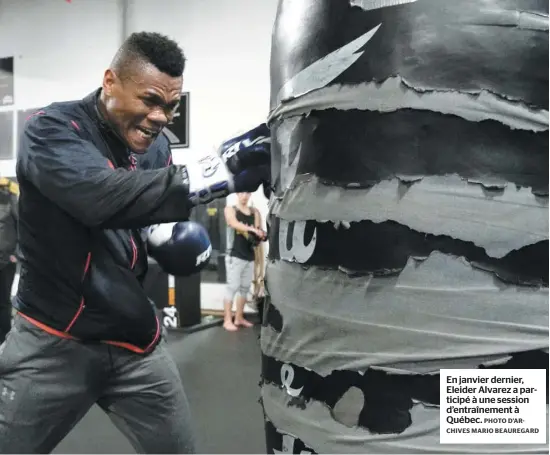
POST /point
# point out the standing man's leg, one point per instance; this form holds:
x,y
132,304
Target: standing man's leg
x,y
245,280
6,281
47,384
146,401
231,288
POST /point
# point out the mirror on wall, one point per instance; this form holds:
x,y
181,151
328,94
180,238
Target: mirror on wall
x,y
6,135
6,81
212,218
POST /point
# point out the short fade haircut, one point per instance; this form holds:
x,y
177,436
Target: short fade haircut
x,y
149,47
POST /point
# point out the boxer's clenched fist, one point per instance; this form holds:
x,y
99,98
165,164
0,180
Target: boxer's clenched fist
x,y
243,164
248,158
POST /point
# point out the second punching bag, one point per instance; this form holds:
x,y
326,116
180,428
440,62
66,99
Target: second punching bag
x,y
409,224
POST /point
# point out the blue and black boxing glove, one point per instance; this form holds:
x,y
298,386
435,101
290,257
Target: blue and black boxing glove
x,y
180,249
248,158
243,164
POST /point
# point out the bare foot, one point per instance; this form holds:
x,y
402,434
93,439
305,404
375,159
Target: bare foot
x,y
230,327
243,322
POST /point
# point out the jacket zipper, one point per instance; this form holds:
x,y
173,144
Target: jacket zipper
x,y
132,265
133,166
134,252
82,302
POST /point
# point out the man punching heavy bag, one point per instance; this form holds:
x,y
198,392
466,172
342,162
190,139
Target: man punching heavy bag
x,y
409,223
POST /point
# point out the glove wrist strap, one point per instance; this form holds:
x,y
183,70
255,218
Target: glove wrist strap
x,y
206,180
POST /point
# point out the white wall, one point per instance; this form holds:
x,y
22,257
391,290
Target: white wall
x,y
59,52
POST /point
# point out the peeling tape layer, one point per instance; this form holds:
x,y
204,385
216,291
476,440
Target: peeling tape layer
x,y
285,151
369,5
394,94
364,247
511,18
383,399
306,384
506,221
433,312
281,442
317,429
364,147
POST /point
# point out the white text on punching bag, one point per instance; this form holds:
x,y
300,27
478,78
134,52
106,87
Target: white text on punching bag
x,y
298,250
287,376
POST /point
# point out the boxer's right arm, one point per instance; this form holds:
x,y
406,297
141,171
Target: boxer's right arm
x,y
72,173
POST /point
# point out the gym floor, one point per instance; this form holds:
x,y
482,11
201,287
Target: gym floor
x,y
221,373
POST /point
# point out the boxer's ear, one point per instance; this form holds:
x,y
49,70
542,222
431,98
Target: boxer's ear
x,y
109,80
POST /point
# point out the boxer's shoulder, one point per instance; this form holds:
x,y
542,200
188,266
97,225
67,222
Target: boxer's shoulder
x,y
67,113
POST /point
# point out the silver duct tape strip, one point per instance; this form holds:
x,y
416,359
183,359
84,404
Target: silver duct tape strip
x,y
326,69
369,5
435,311
289,164
395,93
272,346
315,426
446,205
508,18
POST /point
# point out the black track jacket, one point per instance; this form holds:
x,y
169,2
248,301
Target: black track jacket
x,y
84,201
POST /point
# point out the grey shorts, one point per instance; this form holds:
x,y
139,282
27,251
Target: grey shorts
x,y
47,384
240,274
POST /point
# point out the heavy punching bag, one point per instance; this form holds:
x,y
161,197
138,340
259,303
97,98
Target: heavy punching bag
x,y
409,223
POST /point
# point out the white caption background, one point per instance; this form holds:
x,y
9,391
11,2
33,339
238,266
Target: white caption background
x,y
492,406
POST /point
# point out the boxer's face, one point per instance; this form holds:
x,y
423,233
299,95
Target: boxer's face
x,y
141,104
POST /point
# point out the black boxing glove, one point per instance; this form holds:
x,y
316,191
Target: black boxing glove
x,y
248,150
180,249
243,164
248,159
